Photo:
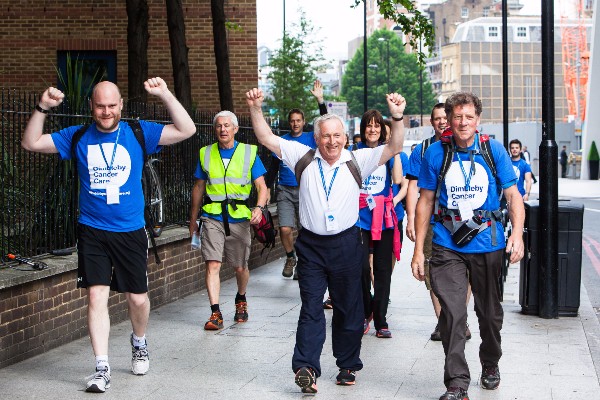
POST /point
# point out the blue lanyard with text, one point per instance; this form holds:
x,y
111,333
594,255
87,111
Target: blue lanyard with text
x,y
471,158
112,160
323,179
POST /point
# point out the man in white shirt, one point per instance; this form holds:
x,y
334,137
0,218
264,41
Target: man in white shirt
x,y
328,246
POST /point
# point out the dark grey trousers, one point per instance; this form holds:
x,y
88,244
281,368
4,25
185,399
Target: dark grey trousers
x,y
450,275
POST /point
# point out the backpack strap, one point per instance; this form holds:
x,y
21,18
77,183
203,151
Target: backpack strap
x,y
76,138
425,144
139,135
310,155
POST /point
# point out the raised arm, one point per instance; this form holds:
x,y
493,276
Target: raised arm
x,y
33,137
396,104
264,134
182,127
317,91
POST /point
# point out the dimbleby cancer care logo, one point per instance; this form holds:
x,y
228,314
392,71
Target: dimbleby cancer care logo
x,y
456,189
100,174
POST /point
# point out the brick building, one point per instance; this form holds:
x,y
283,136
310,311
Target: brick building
x,y
37,34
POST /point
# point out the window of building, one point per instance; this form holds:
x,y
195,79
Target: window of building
x,y
486,11
96,66
464,12
492,33
521,34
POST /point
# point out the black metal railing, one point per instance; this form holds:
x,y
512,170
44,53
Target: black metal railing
x,y
39,196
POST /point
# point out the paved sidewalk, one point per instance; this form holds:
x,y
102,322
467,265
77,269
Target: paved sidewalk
x,y
543,359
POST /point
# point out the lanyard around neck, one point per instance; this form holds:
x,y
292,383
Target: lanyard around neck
x,y
327,191
112,160
471,152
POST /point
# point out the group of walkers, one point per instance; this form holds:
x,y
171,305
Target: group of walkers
x,y
346,202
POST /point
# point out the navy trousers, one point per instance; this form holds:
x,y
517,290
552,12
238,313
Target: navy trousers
x,y
336,262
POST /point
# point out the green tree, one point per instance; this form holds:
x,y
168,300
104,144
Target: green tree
x,y
404,76
415,25
294,70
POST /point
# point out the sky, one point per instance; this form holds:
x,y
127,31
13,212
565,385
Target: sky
x,y
335,21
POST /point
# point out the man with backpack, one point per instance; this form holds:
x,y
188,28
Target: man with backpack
x,y
224,176
329,248
112,243
463,186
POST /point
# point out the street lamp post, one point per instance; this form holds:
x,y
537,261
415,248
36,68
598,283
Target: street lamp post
x,y
387,43
420,87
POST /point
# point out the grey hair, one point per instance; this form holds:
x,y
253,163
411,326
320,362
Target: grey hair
x,y
227,114
327,117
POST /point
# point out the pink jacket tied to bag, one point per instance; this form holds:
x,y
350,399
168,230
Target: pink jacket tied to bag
x,y
383,212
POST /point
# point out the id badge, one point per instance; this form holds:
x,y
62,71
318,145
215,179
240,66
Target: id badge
x,y
465,209
112,194
371,202
331,222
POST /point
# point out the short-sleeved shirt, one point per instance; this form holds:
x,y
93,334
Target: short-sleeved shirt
x,y
286,175
521,168
482,191
257,170
396,188
414,162
379,183
343,197
103,161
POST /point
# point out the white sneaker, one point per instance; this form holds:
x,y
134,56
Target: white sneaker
x,y
140,361
100,381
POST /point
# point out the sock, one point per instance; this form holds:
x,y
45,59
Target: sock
x,y
215,308
102,362
291,254
139,341
240,297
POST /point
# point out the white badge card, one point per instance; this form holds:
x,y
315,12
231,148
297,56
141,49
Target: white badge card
x,y
371,202
465,209
112,194
331,222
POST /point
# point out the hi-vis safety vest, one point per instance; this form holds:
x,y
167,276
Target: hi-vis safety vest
x,y
232,184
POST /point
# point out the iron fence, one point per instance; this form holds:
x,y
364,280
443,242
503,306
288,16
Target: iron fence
x,y
39,196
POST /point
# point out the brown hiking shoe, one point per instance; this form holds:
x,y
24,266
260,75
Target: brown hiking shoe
x,y
288,267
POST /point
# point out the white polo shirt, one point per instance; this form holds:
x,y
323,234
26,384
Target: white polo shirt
x,y
343,198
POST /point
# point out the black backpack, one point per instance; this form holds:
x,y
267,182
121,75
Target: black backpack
x,y
265,231
139,135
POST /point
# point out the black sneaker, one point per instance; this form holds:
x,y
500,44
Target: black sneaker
x,y
490,377
306,379
327,304
435,335
455,393
288,267
346,377
468,333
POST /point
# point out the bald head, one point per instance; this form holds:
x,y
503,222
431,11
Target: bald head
x,y
106,105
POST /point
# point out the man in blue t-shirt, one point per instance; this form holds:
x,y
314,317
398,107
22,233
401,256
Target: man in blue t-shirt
x,y
522,169
468,202
224,176
287,187
112,244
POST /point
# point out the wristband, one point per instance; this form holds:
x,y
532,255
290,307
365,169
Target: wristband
x,y
262,208
398,119
40,109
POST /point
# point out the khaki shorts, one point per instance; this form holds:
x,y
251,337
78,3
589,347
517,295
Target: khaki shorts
x,y
234,249
427,253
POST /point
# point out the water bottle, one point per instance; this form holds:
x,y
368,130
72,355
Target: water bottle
x,y
195,241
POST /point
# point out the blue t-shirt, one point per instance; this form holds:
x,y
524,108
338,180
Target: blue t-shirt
x,y
103,161
482,191
396,188
378,183
521,168
414,162
286,175
257,170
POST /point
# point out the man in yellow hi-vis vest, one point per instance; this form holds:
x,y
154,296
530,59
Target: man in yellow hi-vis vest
x,y
224,176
